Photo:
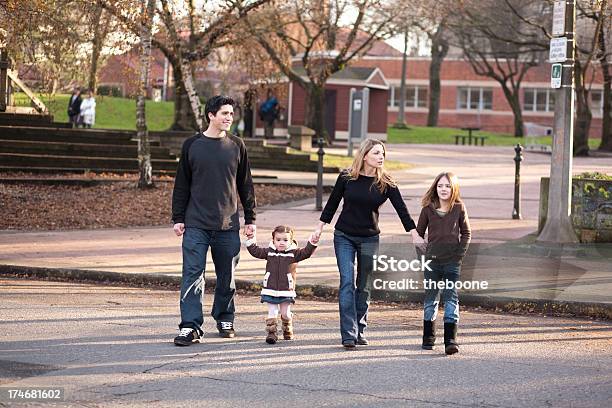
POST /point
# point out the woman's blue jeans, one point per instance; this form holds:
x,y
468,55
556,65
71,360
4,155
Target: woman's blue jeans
x,y
354,293
442,272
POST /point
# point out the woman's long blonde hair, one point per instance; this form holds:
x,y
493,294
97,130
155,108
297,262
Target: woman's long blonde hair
x,y
431,196
383,178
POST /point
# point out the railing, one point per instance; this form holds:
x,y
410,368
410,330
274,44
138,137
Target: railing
x,y
9,84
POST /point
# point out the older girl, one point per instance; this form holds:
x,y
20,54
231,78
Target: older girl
x,y
364,187
448,234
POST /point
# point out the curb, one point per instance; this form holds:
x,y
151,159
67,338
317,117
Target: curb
x,y
497,303
145,279
510,304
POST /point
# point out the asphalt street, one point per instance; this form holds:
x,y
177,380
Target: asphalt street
x,y
112,346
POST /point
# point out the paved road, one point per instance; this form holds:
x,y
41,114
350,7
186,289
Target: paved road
x,y
110,346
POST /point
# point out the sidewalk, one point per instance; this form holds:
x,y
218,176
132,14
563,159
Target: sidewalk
x,y
110,346
519,273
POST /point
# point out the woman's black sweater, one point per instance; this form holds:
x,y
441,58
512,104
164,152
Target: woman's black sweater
x,y
362,200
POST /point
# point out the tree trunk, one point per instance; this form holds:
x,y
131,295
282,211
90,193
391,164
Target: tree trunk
x,y
192,94
144,149
439,49
184,119
583,114
512,97
401,114
99,29
315,110
606,126
249,102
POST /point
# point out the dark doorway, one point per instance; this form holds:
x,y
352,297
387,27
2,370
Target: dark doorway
x,y
330,113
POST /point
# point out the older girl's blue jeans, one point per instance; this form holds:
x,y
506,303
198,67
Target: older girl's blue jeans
x,y
354,293
442,272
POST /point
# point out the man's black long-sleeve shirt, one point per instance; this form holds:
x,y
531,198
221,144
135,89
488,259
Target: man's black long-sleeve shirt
x,y
359,216
211,174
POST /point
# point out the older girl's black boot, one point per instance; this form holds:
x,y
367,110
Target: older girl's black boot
x,y
429,334
450,338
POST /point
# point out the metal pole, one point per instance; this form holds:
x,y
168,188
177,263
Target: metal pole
x,y
165,86
320,153
558,227
4,66
516,213
351,130
401,115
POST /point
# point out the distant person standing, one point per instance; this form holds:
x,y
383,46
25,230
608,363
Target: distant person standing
x,y
74,107
88,110
268,113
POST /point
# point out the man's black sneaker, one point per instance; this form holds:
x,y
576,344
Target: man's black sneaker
x,y
226,329
187,336
349,344
362,341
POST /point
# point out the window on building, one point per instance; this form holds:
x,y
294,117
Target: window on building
x,y
416,96
538,100
475,98
597,101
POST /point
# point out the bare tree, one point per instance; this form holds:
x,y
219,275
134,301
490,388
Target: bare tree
x,y
431,18
187,36
600,18
144,148
479,29
309,31
604,56
591,18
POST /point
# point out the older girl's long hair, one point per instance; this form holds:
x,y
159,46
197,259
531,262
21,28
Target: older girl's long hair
x,y
431,196
383,178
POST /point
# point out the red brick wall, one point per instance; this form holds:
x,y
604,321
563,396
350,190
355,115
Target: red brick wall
x,y
460,71
377,116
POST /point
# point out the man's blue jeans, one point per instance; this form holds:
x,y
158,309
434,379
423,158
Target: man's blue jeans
x,y
441,272
225,249
354,293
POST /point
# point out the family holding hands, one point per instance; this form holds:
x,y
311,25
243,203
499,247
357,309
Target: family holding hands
x,y
214,172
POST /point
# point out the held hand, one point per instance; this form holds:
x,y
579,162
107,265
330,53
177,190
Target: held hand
x,y
179,229
418,242
249,230
314,238
318,231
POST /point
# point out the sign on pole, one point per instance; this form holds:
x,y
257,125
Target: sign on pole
x,y
558,49
555,75
558,18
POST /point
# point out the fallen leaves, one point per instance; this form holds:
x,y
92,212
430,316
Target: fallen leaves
x,y
28,206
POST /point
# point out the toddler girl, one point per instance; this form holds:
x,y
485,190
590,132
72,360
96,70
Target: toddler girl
x,y
278,289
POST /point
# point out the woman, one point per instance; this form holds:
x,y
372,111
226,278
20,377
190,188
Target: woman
x,y
364,187
88,110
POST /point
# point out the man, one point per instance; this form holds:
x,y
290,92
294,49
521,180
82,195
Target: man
x,y
74,108
212,172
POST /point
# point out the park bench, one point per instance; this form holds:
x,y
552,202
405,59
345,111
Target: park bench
x,y
476,139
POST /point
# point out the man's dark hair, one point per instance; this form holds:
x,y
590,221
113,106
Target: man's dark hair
x,y
215,103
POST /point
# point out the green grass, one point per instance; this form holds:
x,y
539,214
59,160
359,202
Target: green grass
x,y
439,135
343,162
111,112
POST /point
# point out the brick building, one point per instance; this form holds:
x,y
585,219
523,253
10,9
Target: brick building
x,y
466,99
